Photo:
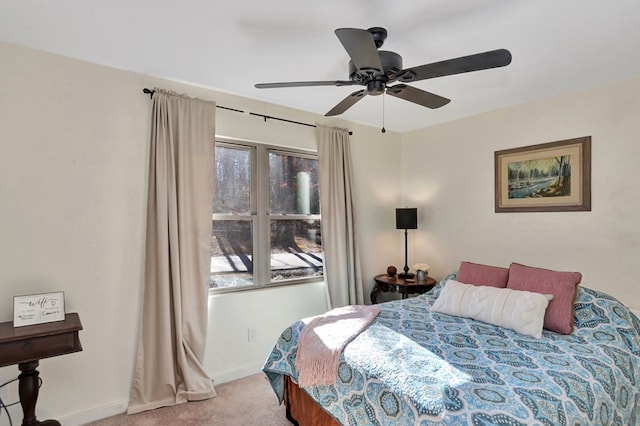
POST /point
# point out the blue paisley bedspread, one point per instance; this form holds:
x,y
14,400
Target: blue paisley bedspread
x,y
414,367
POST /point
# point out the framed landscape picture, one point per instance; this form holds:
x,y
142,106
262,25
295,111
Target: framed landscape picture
x,y
548,177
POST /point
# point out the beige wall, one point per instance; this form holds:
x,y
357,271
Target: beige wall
x,y
455,187
73,186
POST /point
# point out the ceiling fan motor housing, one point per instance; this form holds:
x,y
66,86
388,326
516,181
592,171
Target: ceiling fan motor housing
x,y
391,66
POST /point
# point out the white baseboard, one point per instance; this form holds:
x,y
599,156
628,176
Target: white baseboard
x,y
119,407
220,377
93,414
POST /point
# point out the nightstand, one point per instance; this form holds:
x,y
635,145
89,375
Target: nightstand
x,y
405,287
26,346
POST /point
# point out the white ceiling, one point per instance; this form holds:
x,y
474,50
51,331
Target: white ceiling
x,y
558,46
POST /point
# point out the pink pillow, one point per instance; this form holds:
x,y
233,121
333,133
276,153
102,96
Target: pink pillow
x,y
477,274
563,286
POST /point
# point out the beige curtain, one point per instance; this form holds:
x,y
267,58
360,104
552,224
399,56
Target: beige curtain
x,y
341,259
173,330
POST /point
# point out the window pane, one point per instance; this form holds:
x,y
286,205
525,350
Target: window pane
x,y
231,254
293,184
232,188
296,249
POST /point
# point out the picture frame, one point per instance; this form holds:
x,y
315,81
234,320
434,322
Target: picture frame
x,y
548,177
38,308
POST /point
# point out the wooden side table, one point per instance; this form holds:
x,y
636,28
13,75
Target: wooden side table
x,y
26,346
386,284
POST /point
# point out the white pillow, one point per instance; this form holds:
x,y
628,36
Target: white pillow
x,y
521,311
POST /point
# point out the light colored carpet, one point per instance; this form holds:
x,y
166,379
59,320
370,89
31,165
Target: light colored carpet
x,y
245,402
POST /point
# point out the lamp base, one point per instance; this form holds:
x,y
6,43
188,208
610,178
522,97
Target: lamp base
x,y
405,276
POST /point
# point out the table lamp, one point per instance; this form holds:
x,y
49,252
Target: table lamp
x,y
406,218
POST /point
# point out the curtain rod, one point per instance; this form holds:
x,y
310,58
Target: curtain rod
x,y
265,117
151,92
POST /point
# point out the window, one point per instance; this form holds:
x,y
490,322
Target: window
x,y
266,217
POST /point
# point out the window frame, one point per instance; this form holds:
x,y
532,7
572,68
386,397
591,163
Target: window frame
x,y
259,213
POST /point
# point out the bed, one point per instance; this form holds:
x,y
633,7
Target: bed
x,y
412,366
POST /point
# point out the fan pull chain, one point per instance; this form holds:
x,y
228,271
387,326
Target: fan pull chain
x,y
383,95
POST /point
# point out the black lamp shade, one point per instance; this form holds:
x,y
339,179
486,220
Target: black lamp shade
x,y
407,218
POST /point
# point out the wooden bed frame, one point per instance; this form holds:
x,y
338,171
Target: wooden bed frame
x,y
301,409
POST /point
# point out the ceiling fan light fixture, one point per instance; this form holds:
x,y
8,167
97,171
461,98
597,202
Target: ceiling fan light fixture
x,y
376,87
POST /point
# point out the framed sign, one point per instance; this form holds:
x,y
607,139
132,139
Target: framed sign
x,y
549,177
38,308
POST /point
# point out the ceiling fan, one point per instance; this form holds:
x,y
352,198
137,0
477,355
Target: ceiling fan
x,y
377,69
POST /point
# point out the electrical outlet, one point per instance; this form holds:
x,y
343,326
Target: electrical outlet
x,y
251,334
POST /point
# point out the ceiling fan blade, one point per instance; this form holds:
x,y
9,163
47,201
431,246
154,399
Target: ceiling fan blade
x,y
304,83
347,103
361,48
417,96
480,61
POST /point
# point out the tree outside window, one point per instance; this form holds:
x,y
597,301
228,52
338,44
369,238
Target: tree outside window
x,y
266,217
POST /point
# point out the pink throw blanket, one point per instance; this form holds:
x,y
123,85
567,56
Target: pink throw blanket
x,y
323,339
